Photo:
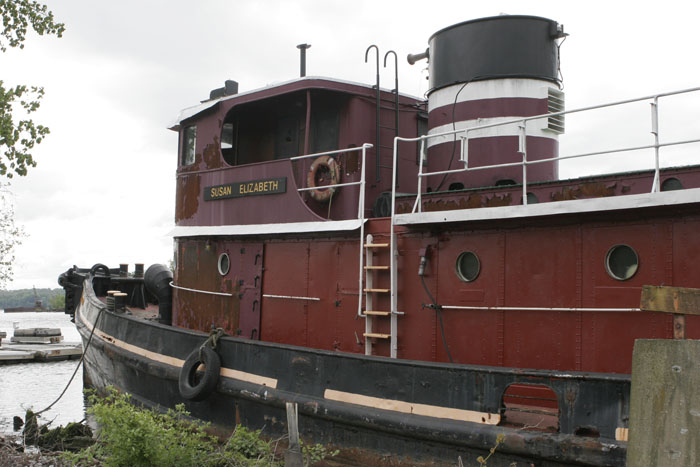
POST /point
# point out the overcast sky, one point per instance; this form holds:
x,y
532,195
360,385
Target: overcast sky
x,y
104,189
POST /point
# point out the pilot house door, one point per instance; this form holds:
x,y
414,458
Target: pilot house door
x,y
249,286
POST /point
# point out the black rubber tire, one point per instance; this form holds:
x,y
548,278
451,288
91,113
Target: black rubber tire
x,y
197,390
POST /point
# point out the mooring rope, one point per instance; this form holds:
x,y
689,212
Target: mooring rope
x,y
213,340
82,357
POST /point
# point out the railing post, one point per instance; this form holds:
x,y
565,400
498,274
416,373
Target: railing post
x,y
361,217
522,149
423,157
655,187
465,147
393,269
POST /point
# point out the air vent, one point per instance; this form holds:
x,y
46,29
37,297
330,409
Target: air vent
x,y
555,103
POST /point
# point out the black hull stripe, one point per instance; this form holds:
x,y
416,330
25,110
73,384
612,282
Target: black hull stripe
x,y
176,362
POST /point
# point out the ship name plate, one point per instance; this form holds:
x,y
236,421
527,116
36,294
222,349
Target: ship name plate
x,y
269,186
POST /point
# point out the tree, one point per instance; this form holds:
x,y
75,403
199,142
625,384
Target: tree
x,y
17,139
58,302
10,236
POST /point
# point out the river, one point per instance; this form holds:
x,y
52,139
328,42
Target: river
x,y
36,385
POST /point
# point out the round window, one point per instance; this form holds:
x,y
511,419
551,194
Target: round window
x,y
224,264
532,198
621,262
468,266
671,184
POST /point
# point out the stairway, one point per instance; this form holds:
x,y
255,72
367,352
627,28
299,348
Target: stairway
x,y
374,294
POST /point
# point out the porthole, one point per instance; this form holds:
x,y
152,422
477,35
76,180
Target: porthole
x,y
671,184
468,266
621,262
532,198
224,264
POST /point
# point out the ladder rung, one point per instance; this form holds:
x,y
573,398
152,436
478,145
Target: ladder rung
x,y
376,245
377,313
377,335
377,290
383,268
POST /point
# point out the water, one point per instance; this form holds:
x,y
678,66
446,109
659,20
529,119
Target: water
x,y
36,385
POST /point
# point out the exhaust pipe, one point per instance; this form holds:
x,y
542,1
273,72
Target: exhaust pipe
x,y
302,58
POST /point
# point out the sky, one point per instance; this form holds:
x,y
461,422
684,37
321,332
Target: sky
x,y
104,187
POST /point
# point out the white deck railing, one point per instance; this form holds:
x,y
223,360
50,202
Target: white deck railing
x,y
522,123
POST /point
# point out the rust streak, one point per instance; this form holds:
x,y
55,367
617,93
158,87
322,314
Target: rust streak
x,y
212,157
187,201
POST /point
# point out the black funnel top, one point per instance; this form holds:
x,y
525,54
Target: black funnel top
x,y
493,48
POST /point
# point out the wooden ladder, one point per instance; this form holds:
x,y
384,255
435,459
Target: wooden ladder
x,y
371,292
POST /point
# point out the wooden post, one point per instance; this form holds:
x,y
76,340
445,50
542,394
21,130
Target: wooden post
x,y
677,300
293,456
665,404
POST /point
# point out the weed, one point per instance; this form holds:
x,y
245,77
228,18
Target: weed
x,y
483,460
131,436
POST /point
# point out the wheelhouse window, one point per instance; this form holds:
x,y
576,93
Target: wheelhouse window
x,y
189,137
276,128
228,142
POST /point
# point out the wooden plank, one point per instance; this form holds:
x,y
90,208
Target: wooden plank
x,y
413,408
377,313
377,290
383,268
377,335
376,245
676,300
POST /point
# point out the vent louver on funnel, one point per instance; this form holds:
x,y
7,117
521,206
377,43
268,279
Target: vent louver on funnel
x,y
555,103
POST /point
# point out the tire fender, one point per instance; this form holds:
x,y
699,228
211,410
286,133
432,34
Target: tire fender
x,y
194,385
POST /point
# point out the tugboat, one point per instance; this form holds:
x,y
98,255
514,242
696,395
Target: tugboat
x,y
411,272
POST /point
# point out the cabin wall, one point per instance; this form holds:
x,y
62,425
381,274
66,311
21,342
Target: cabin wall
x,y
307,291
323,269
559,266
356,126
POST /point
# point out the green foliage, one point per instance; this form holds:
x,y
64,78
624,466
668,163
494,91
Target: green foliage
x,y
10,236
25,297
18,15
130,436
17,139
58,302
249,444
316,453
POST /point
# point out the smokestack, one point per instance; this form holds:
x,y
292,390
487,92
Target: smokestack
x,y
302,57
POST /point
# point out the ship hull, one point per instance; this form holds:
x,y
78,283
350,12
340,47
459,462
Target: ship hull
x,y
370,407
